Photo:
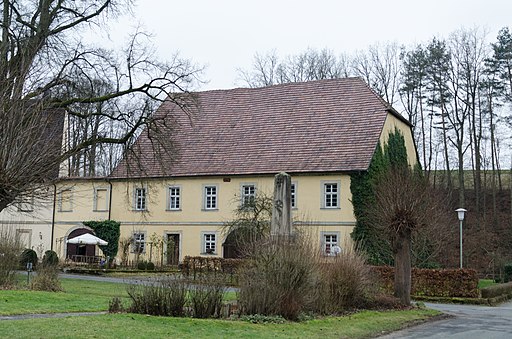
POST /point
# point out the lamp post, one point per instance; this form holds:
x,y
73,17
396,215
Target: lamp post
x,y
460,215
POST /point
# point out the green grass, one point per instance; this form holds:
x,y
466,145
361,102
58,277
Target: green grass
x,y
360,325
90,296
485,282
78,296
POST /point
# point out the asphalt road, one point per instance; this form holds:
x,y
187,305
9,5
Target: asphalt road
x,y
468,322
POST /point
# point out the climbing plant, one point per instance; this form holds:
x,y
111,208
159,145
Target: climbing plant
x,y
362,186
108,230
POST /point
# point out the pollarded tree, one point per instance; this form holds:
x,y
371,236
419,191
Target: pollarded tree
x,y
404,204
42,56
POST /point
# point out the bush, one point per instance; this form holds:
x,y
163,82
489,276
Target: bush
x,y
115,305
28,256
497,290
507,270
150,266
263,319
206,298
163,297
50,258
46,279
345,283
9,257
280,278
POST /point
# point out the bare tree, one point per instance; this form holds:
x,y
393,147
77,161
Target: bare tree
x,y
42,58
405,203
380,67
309,65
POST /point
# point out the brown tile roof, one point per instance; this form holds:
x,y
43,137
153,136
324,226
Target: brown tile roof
x,y
318,126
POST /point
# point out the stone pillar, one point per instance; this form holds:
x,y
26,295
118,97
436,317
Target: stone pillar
x,y
281,227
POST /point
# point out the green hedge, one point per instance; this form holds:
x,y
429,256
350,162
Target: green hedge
x,y
497,290
508,272
434,282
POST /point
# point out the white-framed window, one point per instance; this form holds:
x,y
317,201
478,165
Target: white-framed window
x,y
248,194
174,198
210,197
139,199
25,237
209,243
139,242
65,200
25,203
293,189
100,199
330,243
331,195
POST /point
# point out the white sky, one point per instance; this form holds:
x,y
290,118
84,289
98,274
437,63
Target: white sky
x,y
225,34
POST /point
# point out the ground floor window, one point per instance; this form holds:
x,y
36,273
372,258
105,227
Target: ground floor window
x,y
209,243
330,244
139,242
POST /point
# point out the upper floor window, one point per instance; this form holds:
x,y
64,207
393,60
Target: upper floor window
x,y
65,200
140,196
331,195
100,199
248,195
25,203
293,197
210,197
174,198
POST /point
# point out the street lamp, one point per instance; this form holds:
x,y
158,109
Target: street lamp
x,y
460,214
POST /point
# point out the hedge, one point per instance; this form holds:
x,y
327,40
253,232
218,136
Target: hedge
x,y
434,282
497,290
195,265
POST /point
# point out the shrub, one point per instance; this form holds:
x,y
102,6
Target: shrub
x,y
50,258
141,265
345,282
46,279
115,305
497,290
263,319
28,256
163,297
206,298
507,272
150,266
280,278
9,256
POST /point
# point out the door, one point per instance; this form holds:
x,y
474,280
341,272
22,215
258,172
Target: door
x,y
173,249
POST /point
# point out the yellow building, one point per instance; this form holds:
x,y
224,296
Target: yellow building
x,y
227,149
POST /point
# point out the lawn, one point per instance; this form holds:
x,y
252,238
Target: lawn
x,y
78,296
485,282
91,296
360,325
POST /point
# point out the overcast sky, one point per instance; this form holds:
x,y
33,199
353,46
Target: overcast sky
x,y
225,34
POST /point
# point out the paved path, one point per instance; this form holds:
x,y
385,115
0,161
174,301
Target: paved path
x,y
468,322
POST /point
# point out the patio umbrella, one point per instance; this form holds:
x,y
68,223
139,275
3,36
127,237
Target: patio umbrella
x,y
87,239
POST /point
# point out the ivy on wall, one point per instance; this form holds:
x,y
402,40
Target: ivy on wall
x,y
362,187
108,230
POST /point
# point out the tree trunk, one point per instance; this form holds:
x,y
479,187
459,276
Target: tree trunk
x,y
403,268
